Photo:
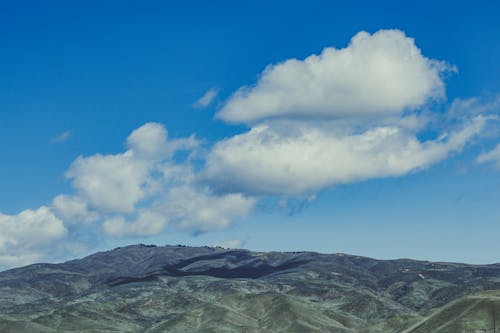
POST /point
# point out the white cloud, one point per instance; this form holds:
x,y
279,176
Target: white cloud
x,y
148,141
25,236
110,182
73,209
492,156
343,116
207,98
380,74
190,143
201,210
140,191
147,223
188,206
33,227
62,136
117,182
473,106
277,158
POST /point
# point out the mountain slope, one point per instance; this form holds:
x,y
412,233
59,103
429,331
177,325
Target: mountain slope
x,y
469,313
200,289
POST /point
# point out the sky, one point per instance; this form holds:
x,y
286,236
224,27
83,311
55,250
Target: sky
x,y
368,128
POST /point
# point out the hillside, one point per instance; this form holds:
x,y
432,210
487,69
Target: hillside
x,y
201,289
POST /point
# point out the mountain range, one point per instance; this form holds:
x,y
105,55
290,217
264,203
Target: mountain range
x,y
146,288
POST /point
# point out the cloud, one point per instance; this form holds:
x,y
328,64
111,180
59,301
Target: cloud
x,y
298,158
207,98
148,141
26,236
110,182
183,202
473,106
142,190
62,136
188,206
201,210
492,156
73,209
343,116
380,74
117,182
147,223
347,115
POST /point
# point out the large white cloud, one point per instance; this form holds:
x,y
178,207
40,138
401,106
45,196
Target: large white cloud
x,y
343,116
277,158
25,236
140,191
383,73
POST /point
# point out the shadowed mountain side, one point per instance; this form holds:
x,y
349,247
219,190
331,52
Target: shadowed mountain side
x,y
201,289
236,265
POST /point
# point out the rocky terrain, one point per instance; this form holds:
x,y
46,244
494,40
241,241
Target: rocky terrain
x,y
144,288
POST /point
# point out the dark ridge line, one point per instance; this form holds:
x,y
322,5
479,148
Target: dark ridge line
x,y
261,269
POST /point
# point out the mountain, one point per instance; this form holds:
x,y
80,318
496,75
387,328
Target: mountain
x,y
144,288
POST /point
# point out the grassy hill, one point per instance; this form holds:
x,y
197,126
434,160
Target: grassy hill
x,y
473,313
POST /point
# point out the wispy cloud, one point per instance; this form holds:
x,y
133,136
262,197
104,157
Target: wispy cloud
x,y
61,137
492,156
207,98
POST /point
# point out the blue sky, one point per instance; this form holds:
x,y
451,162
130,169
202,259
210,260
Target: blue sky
x,y
238,169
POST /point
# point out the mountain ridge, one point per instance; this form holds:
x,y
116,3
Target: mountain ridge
x,y
205,289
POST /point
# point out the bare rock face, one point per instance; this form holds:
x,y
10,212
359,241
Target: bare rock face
x,y
145,288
